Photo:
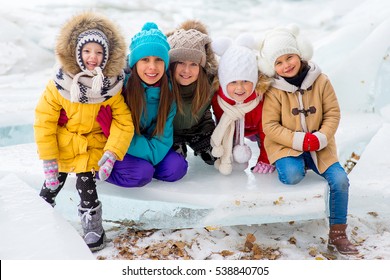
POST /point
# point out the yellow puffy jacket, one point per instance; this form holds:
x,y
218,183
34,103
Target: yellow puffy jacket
x,y
79,145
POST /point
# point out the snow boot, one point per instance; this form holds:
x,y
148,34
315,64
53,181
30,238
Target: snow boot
x,y
338,240
208,157
91,221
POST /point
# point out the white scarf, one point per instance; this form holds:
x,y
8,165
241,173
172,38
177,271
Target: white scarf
x,y
222,137
89,87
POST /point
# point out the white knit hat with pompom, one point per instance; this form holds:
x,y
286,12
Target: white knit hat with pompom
x,y
237,61
281,41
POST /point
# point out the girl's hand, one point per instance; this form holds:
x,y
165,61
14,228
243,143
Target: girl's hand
x,y
263,168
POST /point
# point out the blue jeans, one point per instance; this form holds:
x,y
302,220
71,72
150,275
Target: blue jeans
x,y
291,170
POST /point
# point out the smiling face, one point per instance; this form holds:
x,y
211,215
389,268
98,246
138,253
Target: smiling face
x,y
92,55
150,69
288,65
239,90
186,72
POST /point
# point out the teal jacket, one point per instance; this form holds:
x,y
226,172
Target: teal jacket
x,y
144,145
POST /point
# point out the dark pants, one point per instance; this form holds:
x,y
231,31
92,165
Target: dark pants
x,y
85,185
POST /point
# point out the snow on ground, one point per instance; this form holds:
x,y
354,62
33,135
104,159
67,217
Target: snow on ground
x,y
351,45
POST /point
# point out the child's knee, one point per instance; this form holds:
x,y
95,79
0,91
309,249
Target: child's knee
x,y
291,177
291,180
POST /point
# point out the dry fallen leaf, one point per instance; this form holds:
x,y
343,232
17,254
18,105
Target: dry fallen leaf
x,y
279,201
212,228
248,246
226,253
329,256
374,214
292,240
313,251
250,237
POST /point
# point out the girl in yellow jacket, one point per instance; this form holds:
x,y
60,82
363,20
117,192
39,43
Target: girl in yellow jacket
x,y
91,52
300,118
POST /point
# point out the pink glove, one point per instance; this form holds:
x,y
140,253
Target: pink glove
x,y
104,118
310,143
263,168
106,164
50,167
63,119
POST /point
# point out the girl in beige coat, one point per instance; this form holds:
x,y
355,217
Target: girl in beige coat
x,y
300,118
91,53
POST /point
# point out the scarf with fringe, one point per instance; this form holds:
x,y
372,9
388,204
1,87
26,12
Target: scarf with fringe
x,y
88,87
222,137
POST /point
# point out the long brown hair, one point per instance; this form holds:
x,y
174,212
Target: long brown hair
x,y
202,91
134,94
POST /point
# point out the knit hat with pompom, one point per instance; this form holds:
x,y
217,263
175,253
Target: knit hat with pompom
x,y
281,41
92,36
237,60
188,45
150,41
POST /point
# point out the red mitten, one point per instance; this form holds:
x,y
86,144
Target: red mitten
x,y
104,118
63,119
310,143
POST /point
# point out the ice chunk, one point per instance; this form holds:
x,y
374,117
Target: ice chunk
x,y
203,197
31,229
370,178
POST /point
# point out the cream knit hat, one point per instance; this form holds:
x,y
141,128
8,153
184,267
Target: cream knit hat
x,y
238,60
188,45
281,41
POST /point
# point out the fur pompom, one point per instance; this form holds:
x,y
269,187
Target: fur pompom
x,y
246,40
242,153
221,44
194,24
294,29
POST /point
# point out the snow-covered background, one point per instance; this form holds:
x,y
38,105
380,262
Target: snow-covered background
x,y
352,45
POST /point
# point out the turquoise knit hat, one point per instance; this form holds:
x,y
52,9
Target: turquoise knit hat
x,y
150,41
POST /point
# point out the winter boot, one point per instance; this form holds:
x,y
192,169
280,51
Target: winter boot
x,y
338,240
91,221
208,157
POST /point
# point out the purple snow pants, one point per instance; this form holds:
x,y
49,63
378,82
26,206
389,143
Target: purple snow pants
x,y
136,172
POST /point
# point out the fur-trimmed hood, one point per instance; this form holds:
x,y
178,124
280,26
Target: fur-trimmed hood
x,y
67,40
211,62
